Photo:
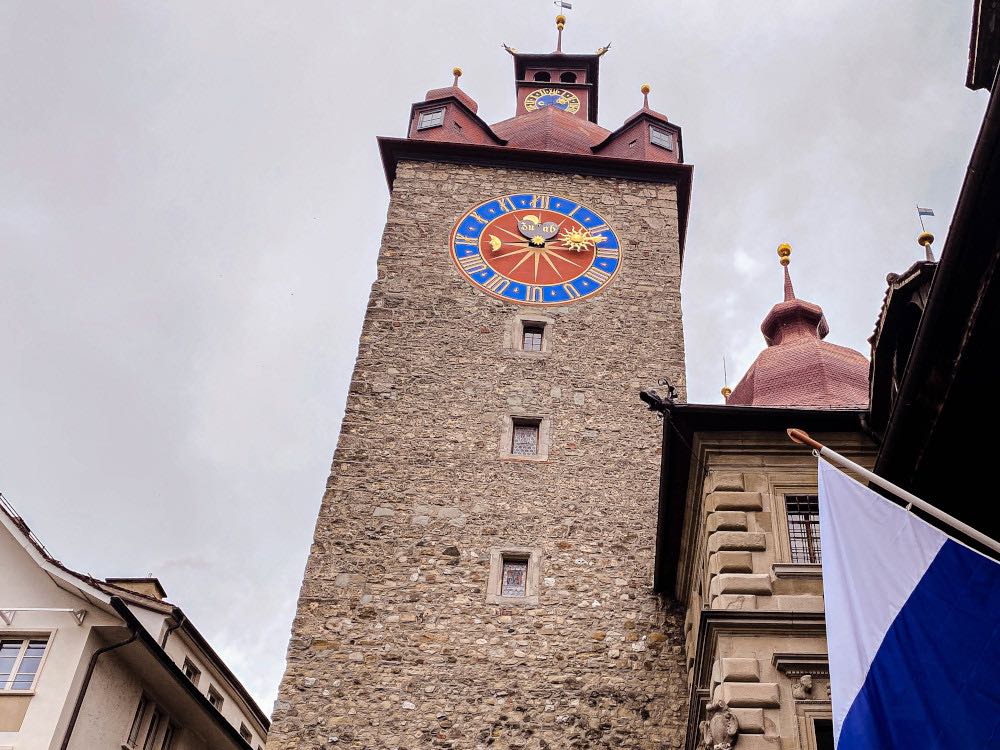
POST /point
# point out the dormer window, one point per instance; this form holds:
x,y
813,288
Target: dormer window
x,y
543,76
433,118
568,77
661,138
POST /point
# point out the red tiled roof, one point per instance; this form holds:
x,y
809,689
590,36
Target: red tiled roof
x,y
798,368
551,129
454,91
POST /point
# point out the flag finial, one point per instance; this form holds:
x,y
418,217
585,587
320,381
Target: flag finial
x,y
726,392
925,239
645,89
560,25
457,72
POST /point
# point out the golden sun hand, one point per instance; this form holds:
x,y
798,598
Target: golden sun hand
x,y
579,239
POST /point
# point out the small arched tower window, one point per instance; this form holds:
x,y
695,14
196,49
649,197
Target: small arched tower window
x,y
543,76
568,77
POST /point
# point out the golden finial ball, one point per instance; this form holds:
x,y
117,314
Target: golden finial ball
x,y
644,88
726,392
456,71
925,239
560,21
784,251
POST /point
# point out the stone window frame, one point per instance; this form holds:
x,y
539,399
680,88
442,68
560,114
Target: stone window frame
x,y
507,437
515,334
806,715
533,555
783,564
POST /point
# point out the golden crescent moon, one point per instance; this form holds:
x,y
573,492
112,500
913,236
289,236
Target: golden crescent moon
x,y
495,242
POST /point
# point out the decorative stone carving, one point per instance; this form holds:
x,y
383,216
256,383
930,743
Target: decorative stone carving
x,y
720,728
802,690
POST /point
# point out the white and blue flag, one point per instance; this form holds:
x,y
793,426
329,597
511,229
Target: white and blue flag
x,y
913,627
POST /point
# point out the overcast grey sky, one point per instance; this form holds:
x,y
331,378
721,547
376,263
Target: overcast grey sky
x,y
191,203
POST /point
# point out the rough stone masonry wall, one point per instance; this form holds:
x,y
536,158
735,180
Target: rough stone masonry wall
x,y
394,644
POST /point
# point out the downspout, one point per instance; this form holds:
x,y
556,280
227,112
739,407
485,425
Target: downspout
x,y
86,683
179,619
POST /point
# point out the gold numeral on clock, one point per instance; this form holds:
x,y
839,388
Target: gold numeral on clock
x,y
472,264
461,239
534,294
506,204
571,291
539,201
597,275
607,253
496,284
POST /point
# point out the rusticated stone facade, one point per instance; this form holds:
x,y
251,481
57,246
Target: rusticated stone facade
x,y
395,644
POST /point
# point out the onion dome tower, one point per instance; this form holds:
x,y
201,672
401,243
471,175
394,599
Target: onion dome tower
x,y
799,368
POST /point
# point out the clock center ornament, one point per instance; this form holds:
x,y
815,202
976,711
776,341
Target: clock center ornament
x,y
536,249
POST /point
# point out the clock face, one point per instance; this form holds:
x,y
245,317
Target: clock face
x,y
560,98
536,249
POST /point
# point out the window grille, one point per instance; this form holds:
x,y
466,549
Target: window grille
x,y
515,578
802,512
525,441
531,340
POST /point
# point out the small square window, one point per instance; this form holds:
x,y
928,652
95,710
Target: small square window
x,y
191,672
531,337
802,513
661,138
525,437
514,577
215,698
432,119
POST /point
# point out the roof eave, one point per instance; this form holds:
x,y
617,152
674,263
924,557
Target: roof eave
x,y
393,150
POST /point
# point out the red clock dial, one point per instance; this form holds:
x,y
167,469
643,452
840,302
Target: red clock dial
x,y
538,246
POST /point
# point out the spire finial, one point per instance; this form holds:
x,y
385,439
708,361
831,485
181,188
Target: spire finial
x,y
784,255
926,239
560,25
726,392
457,72
644,88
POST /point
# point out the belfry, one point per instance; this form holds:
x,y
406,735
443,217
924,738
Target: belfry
x,y
480,570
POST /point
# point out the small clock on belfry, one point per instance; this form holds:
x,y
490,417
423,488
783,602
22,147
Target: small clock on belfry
x,y
536,249
559,98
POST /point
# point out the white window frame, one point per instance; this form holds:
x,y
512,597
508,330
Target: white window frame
x,y
25,636
430,118
666,134
212,690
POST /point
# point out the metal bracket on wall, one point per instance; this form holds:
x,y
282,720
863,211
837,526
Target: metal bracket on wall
x,y
7,613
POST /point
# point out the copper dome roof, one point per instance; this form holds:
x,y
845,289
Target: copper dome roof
x,y
799,368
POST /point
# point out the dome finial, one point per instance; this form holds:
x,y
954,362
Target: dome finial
x,y
726,392
926,239
784,255
560,25
457,72
645,89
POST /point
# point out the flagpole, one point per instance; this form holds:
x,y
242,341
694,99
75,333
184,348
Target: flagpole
x,y
802,437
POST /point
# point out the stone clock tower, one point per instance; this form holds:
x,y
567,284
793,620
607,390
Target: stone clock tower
x,y
481,574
